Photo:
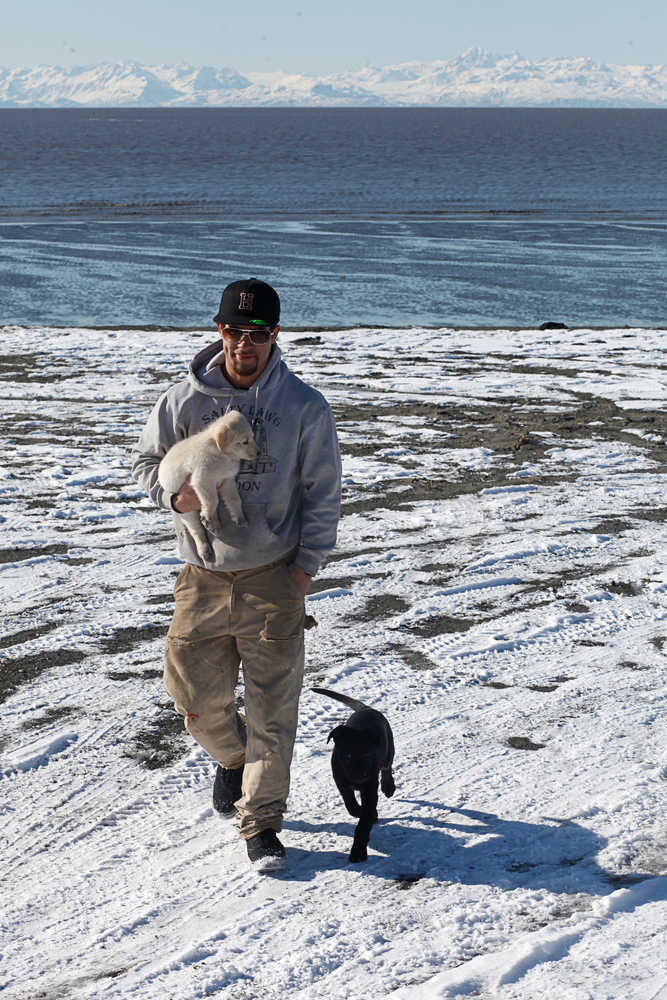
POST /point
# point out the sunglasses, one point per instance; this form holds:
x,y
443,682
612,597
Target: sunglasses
x,y
234,334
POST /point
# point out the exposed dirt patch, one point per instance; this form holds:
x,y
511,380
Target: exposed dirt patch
x,y
51,716
515,430
447,572
408,880
524,743
506,425
19,554
122,639
413,657
26,635
24,669
625,881
612,526
162,742
321,583
437,625
620,587
657,514
307,341
380,607
14,367
127,675
32,368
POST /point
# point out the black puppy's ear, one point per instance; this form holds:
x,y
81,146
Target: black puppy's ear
x,y
335,733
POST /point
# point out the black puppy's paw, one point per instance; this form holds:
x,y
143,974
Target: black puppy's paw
x,y
353,808
387,785
358,853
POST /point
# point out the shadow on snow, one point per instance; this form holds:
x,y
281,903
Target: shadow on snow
x,y
468,847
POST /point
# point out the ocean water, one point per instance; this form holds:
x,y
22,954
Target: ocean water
x,y
391,217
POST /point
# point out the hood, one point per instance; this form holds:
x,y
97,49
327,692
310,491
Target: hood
x,y
273,371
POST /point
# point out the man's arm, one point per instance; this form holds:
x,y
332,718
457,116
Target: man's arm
x,y
160,432
320,469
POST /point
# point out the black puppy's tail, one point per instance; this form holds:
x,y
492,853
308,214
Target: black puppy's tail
x,y
350,702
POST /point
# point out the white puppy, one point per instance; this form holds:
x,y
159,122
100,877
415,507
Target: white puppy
x,y
211,458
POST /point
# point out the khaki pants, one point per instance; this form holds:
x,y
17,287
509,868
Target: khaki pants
x,y
255,617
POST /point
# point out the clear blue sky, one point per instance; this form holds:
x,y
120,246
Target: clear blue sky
x,y
309,36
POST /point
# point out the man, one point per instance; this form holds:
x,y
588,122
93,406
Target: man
x,y
248,606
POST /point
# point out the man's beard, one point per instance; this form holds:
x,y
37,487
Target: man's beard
x,y
246,367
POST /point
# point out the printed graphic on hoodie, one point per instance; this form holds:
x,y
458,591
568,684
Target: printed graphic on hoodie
x,y
264,463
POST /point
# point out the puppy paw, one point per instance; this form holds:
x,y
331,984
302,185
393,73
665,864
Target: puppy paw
x,y
206,554
388,787
358,855
387,781
353,808
212,525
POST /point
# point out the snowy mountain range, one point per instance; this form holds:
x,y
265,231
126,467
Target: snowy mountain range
x,y
475,78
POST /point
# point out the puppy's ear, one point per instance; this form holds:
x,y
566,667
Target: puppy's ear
x,y
221,437
335,734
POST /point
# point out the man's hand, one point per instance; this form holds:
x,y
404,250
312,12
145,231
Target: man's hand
x,y
186,500
301,579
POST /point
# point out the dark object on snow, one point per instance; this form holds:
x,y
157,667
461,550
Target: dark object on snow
x,y
363,755
550,325
523,743
227,789
265,852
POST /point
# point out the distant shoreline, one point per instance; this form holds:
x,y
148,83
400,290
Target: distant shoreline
x,y
352,328
563,106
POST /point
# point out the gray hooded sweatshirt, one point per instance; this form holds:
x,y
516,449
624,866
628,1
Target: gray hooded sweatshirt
x,y
290,492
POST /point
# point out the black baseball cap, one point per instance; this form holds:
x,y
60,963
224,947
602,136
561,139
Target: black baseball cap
x,y
248,302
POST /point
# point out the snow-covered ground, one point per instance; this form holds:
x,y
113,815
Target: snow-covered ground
x,y
499,590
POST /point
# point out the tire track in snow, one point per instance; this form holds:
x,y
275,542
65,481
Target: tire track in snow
x,y
64,825
566,632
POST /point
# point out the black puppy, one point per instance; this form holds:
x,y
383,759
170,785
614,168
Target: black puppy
x,y
363,752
